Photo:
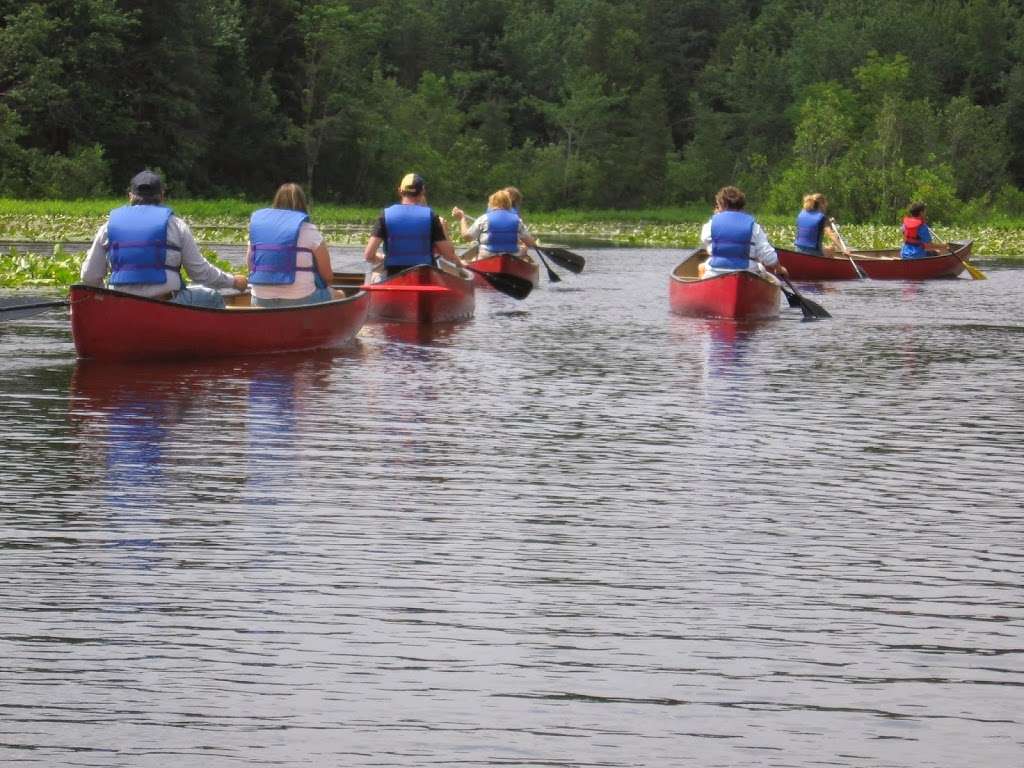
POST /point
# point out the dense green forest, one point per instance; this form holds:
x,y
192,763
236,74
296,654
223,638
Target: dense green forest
x,y
581,103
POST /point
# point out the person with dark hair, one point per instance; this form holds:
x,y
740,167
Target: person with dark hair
x,y
144,247
411,233
289,263
916,234
812,225
734,240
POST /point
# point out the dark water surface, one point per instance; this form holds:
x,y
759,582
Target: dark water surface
x,y
574,531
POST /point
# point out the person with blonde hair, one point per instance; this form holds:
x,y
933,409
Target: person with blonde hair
x,y
289,262
500,229
733,240
812,224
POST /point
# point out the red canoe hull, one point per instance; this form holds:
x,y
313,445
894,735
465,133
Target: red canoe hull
x,y
506,264
424,295
738,295
110,325
877,265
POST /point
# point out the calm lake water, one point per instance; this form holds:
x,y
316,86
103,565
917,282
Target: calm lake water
x,y
574,531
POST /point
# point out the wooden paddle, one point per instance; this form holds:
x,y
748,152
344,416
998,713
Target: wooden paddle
x,y
20,311
811,310
563,257
856,267
972,270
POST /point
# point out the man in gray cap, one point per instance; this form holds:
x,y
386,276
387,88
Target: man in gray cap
x,y
144,246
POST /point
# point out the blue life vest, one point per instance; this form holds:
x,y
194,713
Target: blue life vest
x,y
731,237
810,225
502,231
274,236
138,245
408,235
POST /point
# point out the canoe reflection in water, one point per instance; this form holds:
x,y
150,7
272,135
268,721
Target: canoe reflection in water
x,y
171,433
721,346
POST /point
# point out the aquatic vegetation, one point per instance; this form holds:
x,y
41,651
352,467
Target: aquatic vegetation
x,y
225,222
22,269
60,268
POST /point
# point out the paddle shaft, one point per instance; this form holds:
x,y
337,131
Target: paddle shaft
x,y
856,267
32,309
973,271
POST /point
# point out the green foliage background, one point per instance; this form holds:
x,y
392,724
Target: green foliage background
x,y
580,103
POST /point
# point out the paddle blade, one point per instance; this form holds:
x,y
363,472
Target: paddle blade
x,y
552,275
510,285
811,310
791,298
566,259
816,310
973,271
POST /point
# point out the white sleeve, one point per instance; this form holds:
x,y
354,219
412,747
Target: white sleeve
x,y
94,268
761,249
705,236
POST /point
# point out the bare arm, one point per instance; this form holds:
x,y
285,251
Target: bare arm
x,y
322,262
370,252
446,250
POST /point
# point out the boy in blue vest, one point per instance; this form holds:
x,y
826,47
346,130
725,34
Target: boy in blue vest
x,y
411,233
733,240
144,247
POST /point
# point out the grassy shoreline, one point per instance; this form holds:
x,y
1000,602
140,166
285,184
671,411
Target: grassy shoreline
x,y
224,222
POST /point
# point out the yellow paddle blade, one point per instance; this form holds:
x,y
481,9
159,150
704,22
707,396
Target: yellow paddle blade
x,y
974,272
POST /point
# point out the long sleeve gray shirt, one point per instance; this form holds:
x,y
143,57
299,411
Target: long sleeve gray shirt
x,y
182,251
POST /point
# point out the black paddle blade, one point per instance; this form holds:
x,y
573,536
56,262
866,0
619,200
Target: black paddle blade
x,y
811,310
20,311
566,259
791,298
510,285
816,310
552,275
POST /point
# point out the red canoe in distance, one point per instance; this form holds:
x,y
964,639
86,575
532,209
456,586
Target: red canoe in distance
x,y
111,325
877,265
739,295
506,264
424,294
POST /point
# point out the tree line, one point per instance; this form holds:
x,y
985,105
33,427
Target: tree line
x,y
580,103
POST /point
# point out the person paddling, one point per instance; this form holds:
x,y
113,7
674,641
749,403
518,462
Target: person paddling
x,y
289,263
500,230
812,224
916,234
144,246
411,233
734,240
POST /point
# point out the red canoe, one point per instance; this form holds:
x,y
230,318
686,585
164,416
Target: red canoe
x,y
738,295
877,265
506,264
110,325
423,294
